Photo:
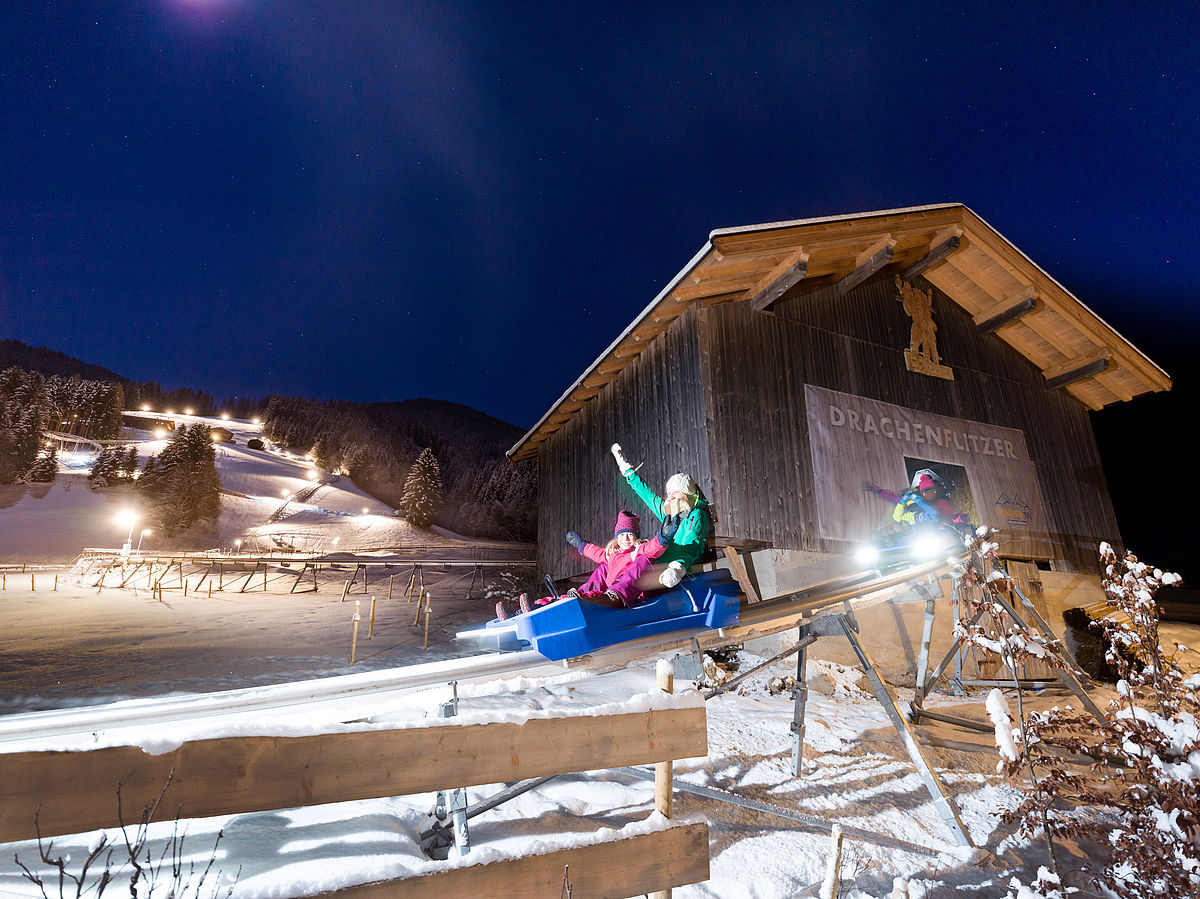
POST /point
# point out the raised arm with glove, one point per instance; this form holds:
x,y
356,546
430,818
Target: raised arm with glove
x,y
691,535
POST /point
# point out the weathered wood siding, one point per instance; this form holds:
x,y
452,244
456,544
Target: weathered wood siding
x,y
655,409
755,367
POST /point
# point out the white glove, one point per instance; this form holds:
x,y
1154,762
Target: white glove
x,y
673,575
622,462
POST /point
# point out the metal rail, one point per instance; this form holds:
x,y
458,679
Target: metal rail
x,y
310,695
770,616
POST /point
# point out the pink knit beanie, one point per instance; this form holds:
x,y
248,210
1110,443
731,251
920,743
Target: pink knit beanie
x,y
627,521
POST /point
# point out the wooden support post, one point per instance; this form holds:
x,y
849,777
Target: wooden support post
x,y
210,589
417,617
371,629
264,580
834,868
412,580
30,582
56,583
426,646
345,590
185,587
740,574
354,633
391,577
664,772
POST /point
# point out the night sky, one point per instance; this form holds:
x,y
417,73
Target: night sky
x,y
470,201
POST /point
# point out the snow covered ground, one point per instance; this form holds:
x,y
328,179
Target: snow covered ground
x,y
73,646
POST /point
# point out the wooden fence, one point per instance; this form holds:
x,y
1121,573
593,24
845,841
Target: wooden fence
x,y
75,791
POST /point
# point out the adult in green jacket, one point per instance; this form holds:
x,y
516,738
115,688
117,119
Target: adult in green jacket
x,y
683,502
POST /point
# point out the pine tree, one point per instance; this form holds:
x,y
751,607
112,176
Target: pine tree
x,y
129,462
45,469
422,491
105,469
181,485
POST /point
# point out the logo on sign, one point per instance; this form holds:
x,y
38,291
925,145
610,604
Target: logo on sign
x,y
1013,510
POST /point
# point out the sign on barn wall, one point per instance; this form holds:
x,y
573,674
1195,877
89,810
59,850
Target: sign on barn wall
x,y
985,468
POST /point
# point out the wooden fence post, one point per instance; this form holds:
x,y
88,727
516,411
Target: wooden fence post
x,y
354,634
426,620
834,867
664,772
371,629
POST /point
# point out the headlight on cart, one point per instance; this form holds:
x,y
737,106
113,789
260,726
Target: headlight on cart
x,y
927,546
866,555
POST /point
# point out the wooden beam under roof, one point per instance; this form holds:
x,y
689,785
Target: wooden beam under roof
x,y
868,262
1005,312
1077,369
731,284
941,247
779,280
1055,296
717,266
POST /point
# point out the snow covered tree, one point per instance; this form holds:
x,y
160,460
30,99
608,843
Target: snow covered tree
x,y
1146,777
106,468
181,485
129,463
422,498
45,469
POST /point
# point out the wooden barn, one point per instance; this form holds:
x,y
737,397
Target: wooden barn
x,y
788,365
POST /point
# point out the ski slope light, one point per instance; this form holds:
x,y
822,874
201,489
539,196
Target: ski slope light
x,y
129,517
866,555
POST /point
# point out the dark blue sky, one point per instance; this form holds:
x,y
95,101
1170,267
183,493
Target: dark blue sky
x,y
387,200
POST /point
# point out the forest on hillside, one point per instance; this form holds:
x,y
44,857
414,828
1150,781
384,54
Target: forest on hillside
x,y
52,363
31,404
485,495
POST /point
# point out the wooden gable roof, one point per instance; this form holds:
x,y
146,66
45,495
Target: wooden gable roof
x,y
949,245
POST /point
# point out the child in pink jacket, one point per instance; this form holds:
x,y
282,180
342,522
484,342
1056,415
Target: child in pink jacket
x,y
620,562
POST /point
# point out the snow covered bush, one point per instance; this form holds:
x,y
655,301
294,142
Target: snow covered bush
x,y
1145,779
145,870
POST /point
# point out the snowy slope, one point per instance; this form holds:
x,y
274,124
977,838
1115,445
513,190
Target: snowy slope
x,y
52,523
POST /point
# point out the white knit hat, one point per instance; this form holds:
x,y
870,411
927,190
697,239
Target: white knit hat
x,y
682,483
